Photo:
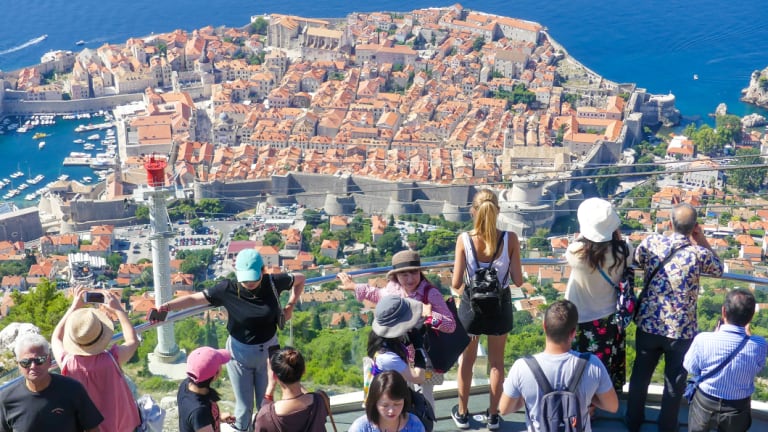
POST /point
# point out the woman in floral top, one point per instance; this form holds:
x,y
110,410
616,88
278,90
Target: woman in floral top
x,y
599,247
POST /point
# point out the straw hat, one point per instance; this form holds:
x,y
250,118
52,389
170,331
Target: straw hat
x,y
87,332
404,261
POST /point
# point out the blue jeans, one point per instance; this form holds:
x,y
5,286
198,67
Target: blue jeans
x,y
248,372
650,347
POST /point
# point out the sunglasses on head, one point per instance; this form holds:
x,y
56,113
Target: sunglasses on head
x,y
26,363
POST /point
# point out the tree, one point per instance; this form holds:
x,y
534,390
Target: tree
x,y
258,26
114,260
142,214
273,238
539,240
606,185
209,207
312,217
439,242
707,141
195,224
478,44
316,324
162,48
729,128
390,242
43,306
748,179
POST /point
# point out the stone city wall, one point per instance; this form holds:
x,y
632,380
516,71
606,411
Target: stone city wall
x,y
21,225
21,107
87,213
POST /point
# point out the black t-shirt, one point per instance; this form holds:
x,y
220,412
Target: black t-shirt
x,y
252,314
63,406
196,411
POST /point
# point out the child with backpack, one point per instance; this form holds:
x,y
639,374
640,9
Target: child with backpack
x,y
393,318
556,386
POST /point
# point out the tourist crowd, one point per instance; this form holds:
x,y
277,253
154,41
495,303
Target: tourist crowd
x,y
417,335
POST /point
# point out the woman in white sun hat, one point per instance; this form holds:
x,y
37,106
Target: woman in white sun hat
x,y
598,247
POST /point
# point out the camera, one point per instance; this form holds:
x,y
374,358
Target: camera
x,y
94,297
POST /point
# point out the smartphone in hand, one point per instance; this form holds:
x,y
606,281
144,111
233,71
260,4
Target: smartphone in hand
x,y
93,297
156,315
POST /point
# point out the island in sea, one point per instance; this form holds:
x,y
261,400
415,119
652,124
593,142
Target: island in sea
x,y
389,112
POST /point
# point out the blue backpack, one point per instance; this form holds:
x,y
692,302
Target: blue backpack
x,y
559,410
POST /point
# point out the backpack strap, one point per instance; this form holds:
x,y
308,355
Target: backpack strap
x,y
541,379
578,372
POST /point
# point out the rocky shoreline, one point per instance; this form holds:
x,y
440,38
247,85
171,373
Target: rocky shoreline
x,y
757,92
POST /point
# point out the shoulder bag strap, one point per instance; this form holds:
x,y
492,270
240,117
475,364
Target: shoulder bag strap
x,y
538,374
725,362
578,372
655,271
119,369
605,276
274,291
327,401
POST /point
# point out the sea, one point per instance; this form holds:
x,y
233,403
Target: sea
x,y
658,44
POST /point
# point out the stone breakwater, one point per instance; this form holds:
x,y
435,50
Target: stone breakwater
x,y
757,92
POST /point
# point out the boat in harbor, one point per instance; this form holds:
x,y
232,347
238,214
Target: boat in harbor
x,y
17,174
41,145
63,177
87,179
94,137
78,141
79,155
80,42
38,178
39,135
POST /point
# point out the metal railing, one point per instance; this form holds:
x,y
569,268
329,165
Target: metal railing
x,y
197,310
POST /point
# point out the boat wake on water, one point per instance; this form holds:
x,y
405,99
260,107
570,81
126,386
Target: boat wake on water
x,y
26,44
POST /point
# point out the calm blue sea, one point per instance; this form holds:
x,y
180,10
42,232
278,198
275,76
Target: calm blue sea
x,y
659,44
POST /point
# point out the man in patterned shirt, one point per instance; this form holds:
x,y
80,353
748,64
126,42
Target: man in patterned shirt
x,y
666,322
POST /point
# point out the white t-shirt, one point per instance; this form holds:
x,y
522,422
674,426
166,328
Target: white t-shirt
x,y
558,369
593,296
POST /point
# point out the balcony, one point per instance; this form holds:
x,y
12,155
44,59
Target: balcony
x,y
347,406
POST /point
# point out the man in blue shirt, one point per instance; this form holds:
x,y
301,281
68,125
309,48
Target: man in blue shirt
x,y
724,398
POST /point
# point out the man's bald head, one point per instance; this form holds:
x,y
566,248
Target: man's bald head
x,y
684,219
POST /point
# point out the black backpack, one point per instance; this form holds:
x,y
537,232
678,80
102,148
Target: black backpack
x,y
422,409
559,410
485,295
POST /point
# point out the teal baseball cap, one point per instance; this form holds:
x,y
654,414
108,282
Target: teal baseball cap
x,y
248,265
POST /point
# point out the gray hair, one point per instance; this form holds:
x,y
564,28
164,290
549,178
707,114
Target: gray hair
x,y
684,218
31,340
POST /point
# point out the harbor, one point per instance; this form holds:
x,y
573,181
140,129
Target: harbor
x,y
38,152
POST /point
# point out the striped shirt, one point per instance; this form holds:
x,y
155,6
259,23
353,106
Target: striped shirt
x,y
736,380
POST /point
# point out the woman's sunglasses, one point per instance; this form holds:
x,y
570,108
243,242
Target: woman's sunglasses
x,y
26,363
